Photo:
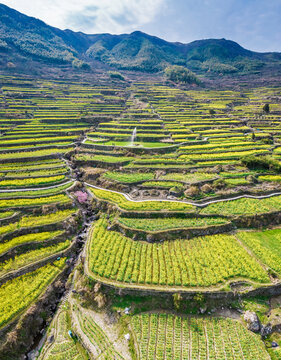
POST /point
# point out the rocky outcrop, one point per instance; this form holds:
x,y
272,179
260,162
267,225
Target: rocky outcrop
x,y
266,330
253,321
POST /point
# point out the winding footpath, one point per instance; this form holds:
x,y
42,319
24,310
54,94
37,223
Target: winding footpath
x,y
128,197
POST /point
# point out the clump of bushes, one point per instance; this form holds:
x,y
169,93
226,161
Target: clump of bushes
x,y
219,184
81,65
116,75
180,74
206,188
261,162
218,67
192,191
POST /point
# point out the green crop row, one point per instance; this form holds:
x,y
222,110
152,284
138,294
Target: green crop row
x,y
28,202
29,238
244,206
31,181
127,177
167,336
19,293
161,224
32,256
199,262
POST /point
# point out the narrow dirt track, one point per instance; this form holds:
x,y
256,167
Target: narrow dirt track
x,y
187,202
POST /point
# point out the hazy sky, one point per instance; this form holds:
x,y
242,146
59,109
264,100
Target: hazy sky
x,y
255,24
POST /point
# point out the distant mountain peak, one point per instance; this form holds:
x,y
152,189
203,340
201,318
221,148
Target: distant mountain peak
x,y
22,36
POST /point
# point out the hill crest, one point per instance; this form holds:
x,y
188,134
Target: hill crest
x,y
23,37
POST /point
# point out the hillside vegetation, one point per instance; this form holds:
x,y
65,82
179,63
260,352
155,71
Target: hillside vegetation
x,y
24,37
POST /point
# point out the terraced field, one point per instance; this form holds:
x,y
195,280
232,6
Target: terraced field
x,y
147,192
20,292
201,262
41,124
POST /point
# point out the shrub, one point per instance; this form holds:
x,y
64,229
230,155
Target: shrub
x,y
219,184
199,299
11,65
252,179
177,299
268,141
175,190
3,44
266,108
116,75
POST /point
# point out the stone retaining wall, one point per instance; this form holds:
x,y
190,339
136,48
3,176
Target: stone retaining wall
x,y
172,234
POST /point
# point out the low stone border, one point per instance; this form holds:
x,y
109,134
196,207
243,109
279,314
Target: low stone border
x,y
171,234
16,216
106,165
258,220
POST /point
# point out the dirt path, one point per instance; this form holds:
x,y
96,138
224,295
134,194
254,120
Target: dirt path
x,y
127,196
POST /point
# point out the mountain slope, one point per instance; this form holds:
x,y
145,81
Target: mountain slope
x,y
24,37
137,51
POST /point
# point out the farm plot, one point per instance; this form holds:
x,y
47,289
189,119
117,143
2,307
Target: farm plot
x,y
128,178
199,262
29,202
244,206
34,255
37,192
29,238
31,182
147,140
35,221
167,336
158,224
63,346
266,245
17,294
102,347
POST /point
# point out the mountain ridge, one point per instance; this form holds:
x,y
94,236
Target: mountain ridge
x,y
24,37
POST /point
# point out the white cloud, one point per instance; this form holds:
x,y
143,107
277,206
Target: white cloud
x,y
91,16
